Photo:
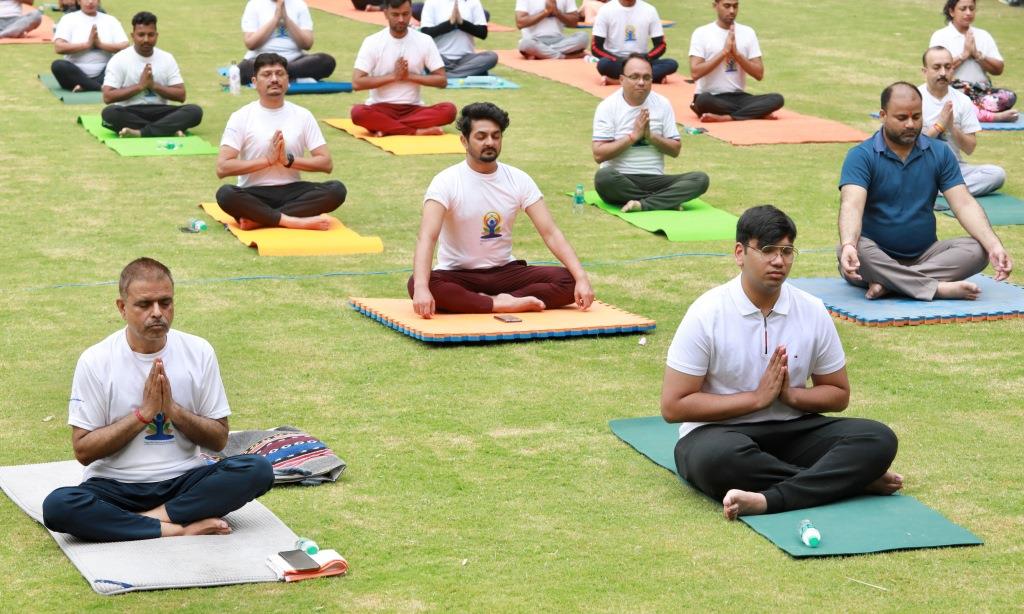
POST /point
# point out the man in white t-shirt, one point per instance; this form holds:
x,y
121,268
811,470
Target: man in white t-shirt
x,y
87,39
623,27
949,116
472,207
284,27
453,24
143,402
265,144
634,129
752,433
542,23
14,23
722,54
138,83
393,64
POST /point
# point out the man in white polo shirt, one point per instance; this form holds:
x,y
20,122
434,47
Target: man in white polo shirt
x,y
949,116
87,39
284,27
453,24
138,83
752,433
623,27
472,207
14,23
634,129
542,22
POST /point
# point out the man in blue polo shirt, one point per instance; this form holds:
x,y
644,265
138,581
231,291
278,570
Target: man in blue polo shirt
x,y
886,224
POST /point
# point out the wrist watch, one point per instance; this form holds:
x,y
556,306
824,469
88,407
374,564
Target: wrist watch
x,y
291,160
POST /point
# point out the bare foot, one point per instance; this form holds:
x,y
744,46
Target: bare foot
x,y
77,88
715,117
770,116
608,81
129,132
957,290
889,483
432,131
506,303
207,526
317,222
1009,115
632,205
246,224
179,133
742,503
372,8
875,291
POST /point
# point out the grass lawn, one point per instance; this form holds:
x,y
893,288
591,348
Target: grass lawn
x,y
485,478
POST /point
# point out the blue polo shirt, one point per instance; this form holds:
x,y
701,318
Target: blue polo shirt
x,y
901,194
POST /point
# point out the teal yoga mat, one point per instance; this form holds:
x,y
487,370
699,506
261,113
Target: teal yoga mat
x,y
1002,209
148,146
488,82
67,96
860,525
698,221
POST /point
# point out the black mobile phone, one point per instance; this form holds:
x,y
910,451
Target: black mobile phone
x,y
299,560
504,317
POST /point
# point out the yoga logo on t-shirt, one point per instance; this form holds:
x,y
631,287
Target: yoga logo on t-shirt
x,y
161,428
492,225
730,65
630,33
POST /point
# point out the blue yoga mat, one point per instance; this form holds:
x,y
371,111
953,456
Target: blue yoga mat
x,y
489,82
303,87
998,300
860,525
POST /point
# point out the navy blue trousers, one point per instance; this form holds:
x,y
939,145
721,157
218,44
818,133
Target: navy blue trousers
x,y
105,510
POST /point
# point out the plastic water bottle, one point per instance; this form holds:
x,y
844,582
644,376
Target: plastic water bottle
x,y
197,225
808,534
234,79
307,545
169,145
578,202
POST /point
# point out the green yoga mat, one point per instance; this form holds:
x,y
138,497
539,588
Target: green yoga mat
x,y
67,96
860,525
698,221
148,146
1002,209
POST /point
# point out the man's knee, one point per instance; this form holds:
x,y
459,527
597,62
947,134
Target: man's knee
x,y
359,113
713,459
337,192
254,469
605,180
488,59
699,180
878,444
609,68
110,114
60,508
194,112
447,111
226,195
328,61
776,101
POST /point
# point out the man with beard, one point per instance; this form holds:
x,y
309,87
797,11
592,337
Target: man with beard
x,y
886,225
472,206
949,116
264,144
393,64
143,402
138,83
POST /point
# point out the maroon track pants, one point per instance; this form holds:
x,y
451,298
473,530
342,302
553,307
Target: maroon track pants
x,y
459,291
391,118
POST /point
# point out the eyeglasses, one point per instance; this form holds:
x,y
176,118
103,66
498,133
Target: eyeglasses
x,y
640,78
788,252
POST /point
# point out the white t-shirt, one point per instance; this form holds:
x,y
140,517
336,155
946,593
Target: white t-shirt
x,y
964,116
615,119
477,228
457,43
626,30
259,12
727,340
549,26
251,128
378,54
10,8
950,38
76,27
108,385
728,76
126,66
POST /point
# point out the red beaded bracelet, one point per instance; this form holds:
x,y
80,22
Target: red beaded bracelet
x,y
138,415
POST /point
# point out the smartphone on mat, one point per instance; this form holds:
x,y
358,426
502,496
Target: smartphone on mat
x,y
299,560
504,317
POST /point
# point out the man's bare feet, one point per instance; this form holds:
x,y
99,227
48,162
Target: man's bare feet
x,y
506,303
179,133
875,291
207,526
608,81
246,224
889,483
1010,115
957,290
770,116
632,205
317,222
129,132
432,131
715,117
77,88
742,503
377,134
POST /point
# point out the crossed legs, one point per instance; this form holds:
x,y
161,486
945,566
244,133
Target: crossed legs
x,y
512,287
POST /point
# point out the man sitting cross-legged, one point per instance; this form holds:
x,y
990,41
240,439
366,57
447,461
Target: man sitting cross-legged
x,y
472,206
542,23
264,145
138,83
143,402
753,435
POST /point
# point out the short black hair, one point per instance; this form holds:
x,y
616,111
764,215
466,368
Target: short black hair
x,y
924,56
141,268
887,92
268,59
767,224
481,110
636,55
143,18
394,4
947,10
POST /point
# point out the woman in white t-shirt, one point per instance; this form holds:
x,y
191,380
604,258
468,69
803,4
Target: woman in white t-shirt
x,y
87,39
975,57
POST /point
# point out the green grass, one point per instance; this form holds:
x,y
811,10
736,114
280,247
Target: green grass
x,y
485,478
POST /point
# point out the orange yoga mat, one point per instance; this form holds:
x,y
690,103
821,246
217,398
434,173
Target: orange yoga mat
x,y
345,9
402,145
600,319
790,127
43,33
338,241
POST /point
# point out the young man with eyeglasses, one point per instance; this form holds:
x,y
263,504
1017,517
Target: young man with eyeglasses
x,y
634,129
752,433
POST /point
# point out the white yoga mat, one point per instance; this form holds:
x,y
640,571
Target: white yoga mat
x,y
174,562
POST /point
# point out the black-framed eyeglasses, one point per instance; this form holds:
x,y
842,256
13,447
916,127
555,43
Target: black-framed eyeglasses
x,y
638,78
788,252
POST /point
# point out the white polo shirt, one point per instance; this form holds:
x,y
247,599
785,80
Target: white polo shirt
x,y
964,116
728,76
950,38
728,341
